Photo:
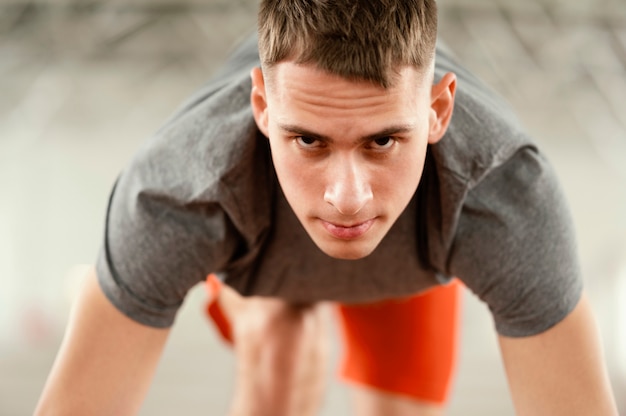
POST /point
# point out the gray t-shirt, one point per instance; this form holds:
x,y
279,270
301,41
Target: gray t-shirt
x,y
201,197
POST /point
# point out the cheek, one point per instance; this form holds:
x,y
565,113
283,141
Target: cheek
x,y
294,178
399,181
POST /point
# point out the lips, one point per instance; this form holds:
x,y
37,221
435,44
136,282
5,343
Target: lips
x,y
347,232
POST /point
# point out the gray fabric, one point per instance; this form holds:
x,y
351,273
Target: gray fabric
x,y
201,197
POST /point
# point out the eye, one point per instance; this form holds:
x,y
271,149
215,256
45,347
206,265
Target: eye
x,y
307,142
383,143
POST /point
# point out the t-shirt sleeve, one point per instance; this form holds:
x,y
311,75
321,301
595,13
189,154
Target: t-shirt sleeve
x,y
192,201
157,246
515,246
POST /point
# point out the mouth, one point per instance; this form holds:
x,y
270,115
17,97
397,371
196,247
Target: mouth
x,y
348,231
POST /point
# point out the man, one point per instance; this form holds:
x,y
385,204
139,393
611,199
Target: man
x,y
337,172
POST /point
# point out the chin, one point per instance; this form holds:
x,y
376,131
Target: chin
x,y
347,251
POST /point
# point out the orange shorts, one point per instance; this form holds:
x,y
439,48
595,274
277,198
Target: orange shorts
x,y
405,346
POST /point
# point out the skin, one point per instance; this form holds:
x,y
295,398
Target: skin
x,y
105,363
282,355
560,372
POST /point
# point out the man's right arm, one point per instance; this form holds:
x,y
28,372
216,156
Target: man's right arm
x,y
106,361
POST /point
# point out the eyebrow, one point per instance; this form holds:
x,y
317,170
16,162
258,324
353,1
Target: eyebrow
x,y
387,131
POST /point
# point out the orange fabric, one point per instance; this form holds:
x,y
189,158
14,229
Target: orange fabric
x,y
406,347
213,309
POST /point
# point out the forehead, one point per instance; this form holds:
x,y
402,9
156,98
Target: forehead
x,y
304,85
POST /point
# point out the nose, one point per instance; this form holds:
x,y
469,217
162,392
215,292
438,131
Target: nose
x,y
348,189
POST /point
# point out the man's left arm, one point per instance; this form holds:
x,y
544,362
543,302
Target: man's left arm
x,y
560,371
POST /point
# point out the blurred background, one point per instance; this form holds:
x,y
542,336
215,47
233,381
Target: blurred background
x,y
82,83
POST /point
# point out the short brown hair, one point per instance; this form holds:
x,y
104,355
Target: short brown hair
x,y
355,39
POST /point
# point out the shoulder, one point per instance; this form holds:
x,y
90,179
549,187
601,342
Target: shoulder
x,y
484,131
207,168
209,151
497,217
484,135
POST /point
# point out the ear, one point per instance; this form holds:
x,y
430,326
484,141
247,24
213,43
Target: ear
x,y
258,100
441,105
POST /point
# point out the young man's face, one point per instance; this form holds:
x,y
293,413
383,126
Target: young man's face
x,y
348,155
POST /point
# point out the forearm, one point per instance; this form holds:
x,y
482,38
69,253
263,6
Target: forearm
x,y
106,361
281,352
561,371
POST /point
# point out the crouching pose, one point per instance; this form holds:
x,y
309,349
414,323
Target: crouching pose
x,y
346,163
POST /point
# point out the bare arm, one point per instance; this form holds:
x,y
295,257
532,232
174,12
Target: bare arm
x,y
561,371
106,361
